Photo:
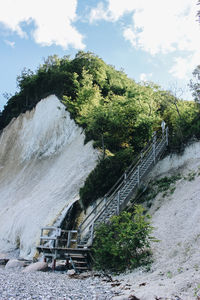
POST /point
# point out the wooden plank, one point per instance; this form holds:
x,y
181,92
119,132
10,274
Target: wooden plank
x,y
64,249
49,228
48,238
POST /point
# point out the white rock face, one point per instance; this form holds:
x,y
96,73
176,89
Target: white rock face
x,y
43,163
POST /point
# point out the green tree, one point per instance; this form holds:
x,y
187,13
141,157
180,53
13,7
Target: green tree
x,y
124,242
195,84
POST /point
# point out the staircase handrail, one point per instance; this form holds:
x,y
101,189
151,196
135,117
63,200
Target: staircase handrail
x,y
116,187
115,193
134,163
95,218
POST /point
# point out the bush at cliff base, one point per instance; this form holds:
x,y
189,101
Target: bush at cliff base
x,y
124,242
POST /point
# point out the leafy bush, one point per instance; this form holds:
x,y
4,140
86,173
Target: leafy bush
x,y
124,242
104,176
165,185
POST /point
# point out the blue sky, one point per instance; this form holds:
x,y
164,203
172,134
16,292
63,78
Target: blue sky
x,y
153,40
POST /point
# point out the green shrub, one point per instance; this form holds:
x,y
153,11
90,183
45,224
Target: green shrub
x,y
104,176
124,242
164,183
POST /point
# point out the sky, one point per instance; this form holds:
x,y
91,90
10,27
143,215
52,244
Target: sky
x,y
155,40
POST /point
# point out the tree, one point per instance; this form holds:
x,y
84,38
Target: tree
x,y
195,84
124,242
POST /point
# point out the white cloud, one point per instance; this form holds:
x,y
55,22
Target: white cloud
x,y
53,21
130,36
183,67
115,10
158,27
99,13
145,76
10,43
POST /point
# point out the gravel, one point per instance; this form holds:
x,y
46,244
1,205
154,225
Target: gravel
x,y
15,285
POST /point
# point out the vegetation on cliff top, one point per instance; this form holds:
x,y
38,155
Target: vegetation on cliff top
x,y
116,112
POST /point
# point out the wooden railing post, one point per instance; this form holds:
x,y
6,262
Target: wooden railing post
x,y
138,177
125,176
118,202
79,236
92,232
68,239
167,137
154,148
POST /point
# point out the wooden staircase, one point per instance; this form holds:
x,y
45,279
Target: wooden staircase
x,y
79,262
58,244
124,189
73,245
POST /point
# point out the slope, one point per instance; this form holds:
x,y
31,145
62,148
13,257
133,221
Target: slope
x,y
174,273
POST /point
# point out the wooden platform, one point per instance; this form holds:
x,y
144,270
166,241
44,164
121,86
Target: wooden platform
x,y
62,252
63,246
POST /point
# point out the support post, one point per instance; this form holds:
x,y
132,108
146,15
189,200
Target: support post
x,y
118,202
92,232
68,239
54,264
154,148
78,236
167,137
154,153
141,155
125,176
138,176
41,241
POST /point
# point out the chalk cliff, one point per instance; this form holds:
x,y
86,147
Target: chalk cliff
x,y
43,163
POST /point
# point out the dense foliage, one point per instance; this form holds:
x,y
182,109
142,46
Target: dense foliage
x,y
117,113
124,242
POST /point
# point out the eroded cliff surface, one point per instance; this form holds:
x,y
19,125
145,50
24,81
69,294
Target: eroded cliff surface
x,y
43,163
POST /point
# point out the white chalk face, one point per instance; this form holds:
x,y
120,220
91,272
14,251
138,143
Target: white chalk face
x,y
43,163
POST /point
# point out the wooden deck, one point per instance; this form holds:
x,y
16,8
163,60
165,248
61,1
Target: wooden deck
x,y
62,252
58,244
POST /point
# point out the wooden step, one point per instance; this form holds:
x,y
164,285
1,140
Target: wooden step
x,y
82,268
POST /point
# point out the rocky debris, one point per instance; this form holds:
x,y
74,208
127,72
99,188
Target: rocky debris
x,y
15,264
125,297
56,285
38,266
84,275
51,285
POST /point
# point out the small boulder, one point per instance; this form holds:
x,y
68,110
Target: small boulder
x,y
14,264
38,266
71,272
